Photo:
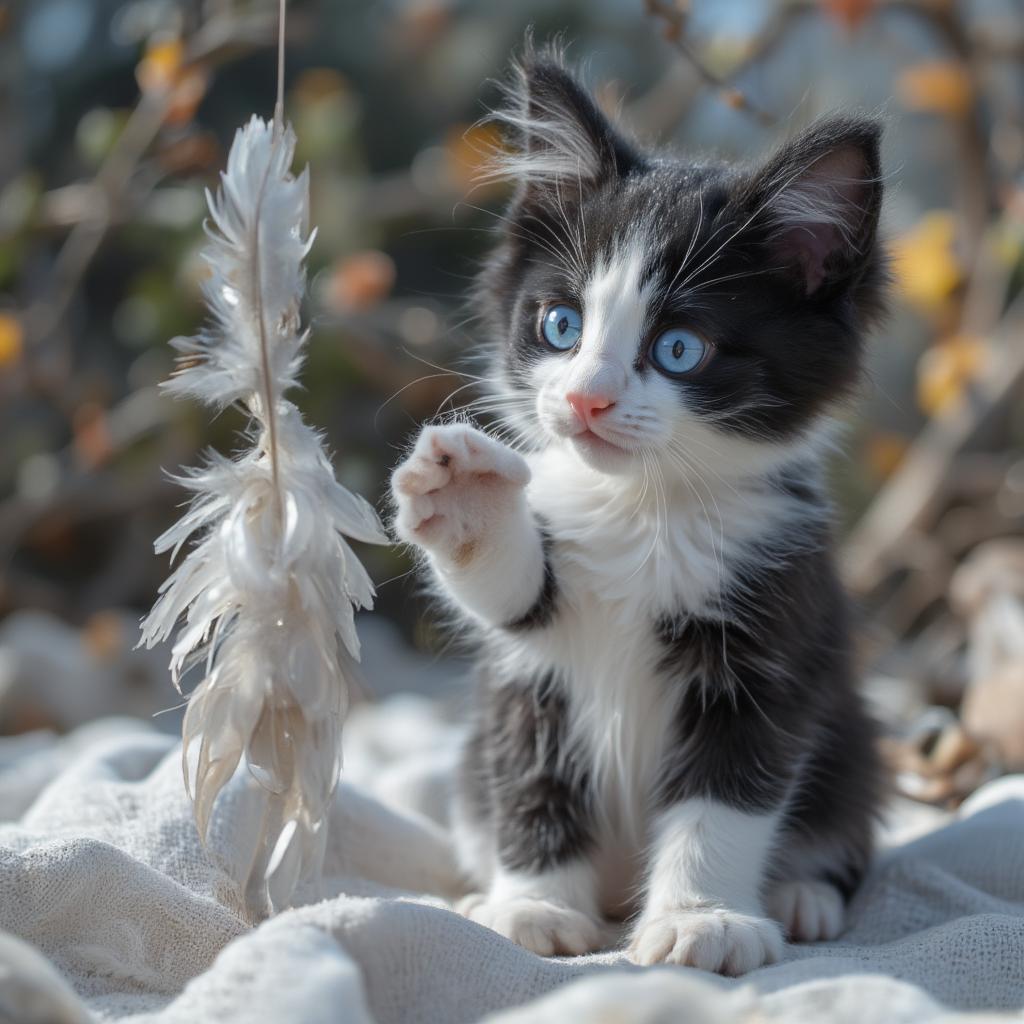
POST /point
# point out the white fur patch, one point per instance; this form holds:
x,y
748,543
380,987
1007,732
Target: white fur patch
x,y
615,301
703,904
615,308
551,912
561,151
555,144
571,884
706,852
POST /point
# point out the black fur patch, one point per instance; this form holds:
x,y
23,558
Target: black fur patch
x,y
770,716
521,780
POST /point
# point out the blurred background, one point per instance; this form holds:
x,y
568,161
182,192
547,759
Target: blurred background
x,y
117,115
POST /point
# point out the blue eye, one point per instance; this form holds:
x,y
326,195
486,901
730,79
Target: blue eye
x,y
562,327
678,351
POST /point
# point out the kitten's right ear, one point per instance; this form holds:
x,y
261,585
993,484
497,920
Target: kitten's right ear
x,y
820,195
560,137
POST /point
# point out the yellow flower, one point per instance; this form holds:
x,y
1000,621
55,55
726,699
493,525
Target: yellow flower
x,y
936,87
885,452
11,340
926,268
469,151
945,370
161,66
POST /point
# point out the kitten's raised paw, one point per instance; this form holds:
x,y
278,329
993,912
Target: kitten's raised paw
x,y
543,927
714,940
454,490
810,910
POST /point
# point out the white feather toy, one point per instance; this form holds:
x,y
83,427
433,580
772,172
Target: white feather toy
x,y
267,593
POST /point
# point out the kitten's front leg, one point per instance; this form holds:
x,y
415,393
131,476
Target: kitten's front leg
x,y
552,912
461,498
525,822
703,906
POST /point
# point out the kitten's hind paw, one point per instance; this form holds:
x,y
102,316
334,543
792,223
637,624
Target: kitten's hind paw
x,y
543,927
714,940
810,910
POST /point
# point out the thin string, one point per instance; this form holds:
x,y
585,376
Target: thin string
x,y
279,105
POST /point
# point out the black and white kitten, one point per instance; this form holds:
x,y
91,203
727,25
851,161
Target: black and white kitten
x,y
668,726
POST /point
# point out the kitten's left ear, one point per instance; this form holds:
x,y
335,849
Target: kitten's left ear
x,y
819,198
560,135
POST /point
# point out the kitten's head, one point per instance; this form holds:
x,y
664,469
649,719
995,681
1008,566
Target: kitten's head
x,y
700,313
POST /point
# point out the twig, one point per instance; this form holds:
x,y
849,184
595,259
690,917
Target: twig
x,y
908,501
139,415
213,43
675,32
112,179
974,172
661,109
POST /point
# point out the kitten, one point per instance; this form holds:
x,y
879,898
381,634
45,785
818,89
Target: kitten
x,y
667,725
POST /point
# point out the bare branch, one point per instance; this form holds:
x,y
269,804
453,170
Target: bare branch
x,y
674,30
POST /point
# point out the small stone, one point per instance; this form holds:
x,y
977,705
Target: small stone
x,y
952,749
993,712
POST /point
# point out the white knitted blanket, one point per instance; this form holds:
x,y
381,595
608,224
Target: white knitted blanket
x,y
101,874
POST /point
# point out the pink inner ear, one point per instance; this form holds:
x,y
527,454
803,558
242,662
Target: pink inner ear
x,y
810,245
821,211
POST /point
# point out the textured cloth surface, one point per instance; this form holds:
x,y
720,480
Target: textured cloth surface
x,y
103,881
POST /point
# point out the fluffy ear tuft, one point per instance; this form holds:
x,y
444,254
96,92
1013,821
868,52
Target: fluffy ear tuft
x,y
821,195
558,133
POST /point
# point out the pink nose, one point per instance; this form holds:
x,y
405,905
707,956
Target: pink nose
x,y
587,406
